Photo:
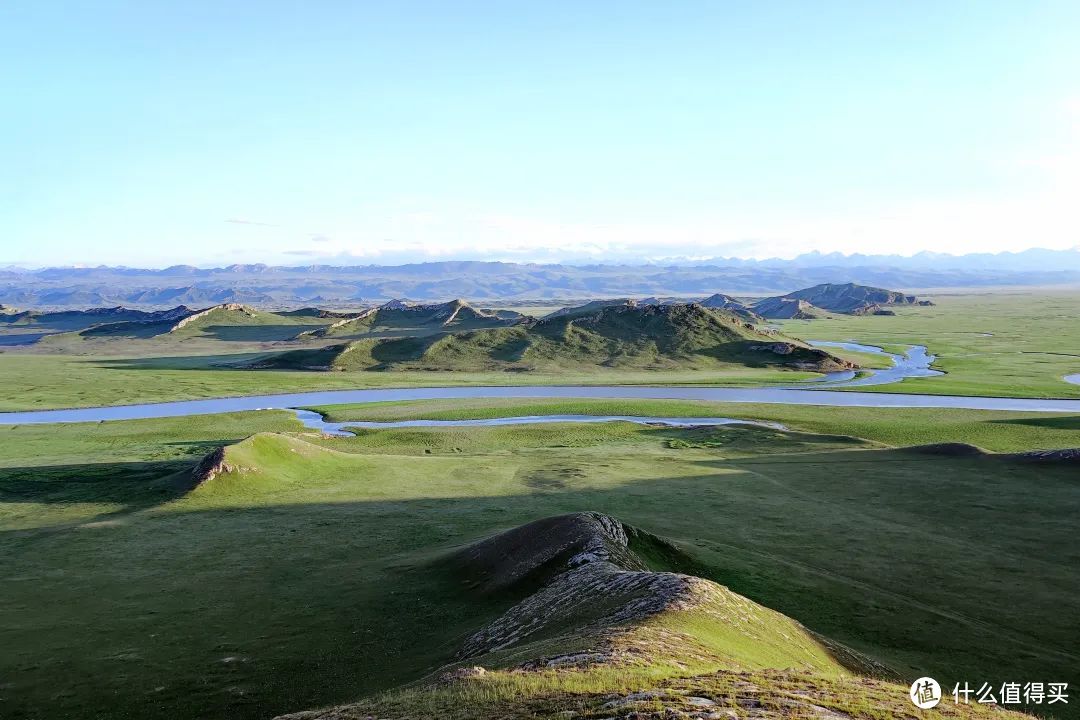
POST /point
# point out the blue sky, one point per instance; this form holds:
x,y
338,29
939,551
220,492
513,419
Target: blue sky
x,y
149,133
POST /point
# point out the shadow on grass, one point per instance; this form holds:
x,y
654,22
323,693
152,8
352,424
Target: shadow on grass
x,y
1053,423
136,485
258,333
178,362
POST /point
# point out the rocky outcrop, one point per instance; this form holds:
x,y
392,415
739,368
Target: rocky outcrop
x,y
333,327
806,358
1070,455
777,348
600,607
212,465
224,307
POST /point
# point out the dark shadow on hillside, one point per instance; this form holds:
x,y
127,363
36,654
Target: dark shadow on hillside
x,y
177,362
133,484
1056,423
257,333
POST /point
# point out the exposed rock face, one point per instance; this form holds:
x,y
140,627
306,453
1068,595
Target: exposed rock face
x,y
540,550
1064,455
632,594
210,467
808,358
408,314
585,564
595,610
344,322
596,597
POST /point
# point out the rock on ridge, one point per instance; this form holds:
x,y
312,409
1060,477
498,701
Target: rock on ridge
x,y
589,565
233,307
212,465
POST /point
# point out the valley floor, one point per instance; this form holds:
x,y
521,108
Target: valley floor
x,y
309,572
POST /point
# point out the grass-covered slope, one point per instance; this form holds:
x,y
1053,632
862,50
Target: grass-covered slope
x,y
620,336
399,317
845,298
599,614
75,320
851,298
311,572
731,305
785,308
231,322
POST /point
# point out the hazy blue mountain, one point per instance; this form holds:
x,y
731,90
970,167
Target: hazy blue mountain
x,y
267,285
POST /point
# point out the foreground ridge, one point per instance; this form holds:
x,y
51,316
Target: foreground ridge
x,y
605,636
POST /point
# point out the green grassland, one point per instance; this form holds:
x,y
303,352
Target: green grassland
x,y
1006,344
38,382
991,430
310,572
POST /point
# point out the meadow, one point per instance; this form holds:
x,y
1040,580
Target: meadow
x,y
1000,343
39,382
301,577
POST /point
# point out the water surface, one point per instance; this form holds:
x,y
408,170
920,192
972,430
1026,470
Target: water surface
x,y
315,421
915,362
771,395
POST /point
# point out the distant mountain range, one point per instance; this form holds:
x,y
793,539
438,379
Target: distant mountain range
x,y
274,286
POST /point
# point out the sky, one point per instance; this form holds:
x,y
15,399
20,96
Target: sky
x,y
152,133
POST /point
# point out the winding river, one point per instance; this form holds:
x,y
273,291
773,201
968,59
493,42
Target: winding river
x,y
315,421
915,363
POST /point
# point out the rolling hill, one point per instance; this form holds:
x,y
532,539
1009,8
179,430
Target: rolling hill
x,y
68,320
784,308
400,317
731,305
593,610
846,298
613,336
227,321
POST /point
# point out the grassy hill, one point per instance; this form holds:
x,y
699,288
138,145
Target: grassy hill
x,y
731,305
598,613
612,336
402,318
75,320
229,322
845,298
851,298
784,308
